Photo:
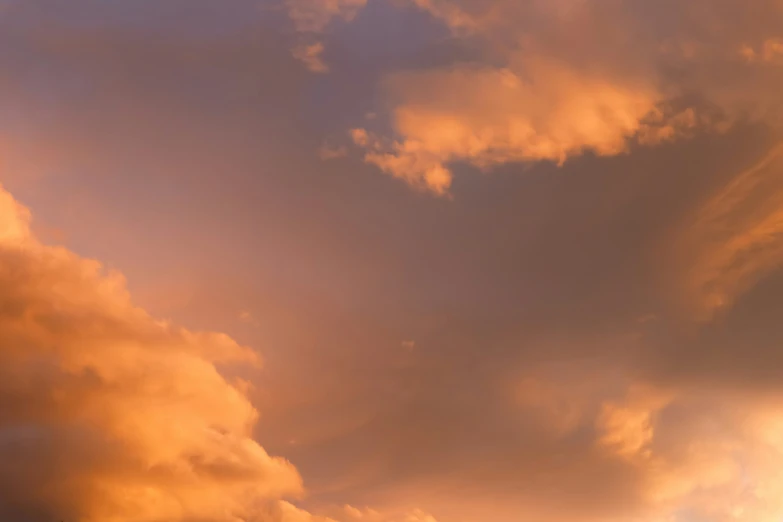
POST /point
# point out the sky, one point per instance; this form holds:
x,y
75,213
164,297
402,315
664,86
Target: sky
x,y
391,260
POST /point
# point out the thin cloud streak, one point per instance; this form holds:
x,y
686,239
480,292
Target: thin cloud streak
x,y
736,237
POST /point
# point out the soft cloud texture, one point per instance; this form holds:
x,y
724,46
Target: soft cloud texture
x,y
558,79
489,117
590,337
310,55
350,513
735,238
311,18
110,415
314,16
692,453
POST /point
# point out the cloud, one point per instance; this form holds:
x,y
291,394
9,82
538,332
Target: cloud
x,y
696,453
554,80
327,152
310,55
314,16
354,514
110,415
451,14
627,428
542,110
311,18
733,239
516,259
770,51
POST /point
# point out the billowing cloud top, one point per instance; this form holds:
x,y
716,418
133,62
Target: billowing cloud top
x,y
111,415
557,79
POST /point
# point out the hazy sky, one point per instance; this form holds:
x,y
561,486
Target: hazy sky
x,y
465,260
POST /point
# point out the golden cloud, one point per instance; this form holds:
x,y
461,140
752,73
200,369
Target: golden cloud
x,y
315,15
702,453
735,238
557,79
109,415
353,514
543,110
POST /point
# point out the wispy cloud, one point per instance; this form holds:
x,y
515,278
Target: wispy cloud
x,y
735,237
311,18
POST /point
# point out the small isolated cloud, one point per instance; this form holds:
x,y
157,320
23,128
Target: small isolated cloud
x,y
314,16
247,317
311,56
327,152
409,345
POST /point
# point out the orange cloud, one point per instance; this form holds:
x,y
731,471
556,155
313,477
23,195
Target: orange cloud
x,y
627,428
310,55
315,15
109,415
735,238
312,17
353,514
557,79
542,110
702,453
770,52
451,14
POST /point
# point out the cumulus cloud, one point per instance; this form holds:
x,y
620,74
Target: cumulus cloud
x,y
110,415
557,79
542,111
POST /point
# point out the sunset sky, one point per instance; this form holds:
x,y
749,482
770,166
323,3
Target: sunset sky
x,y
391,260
